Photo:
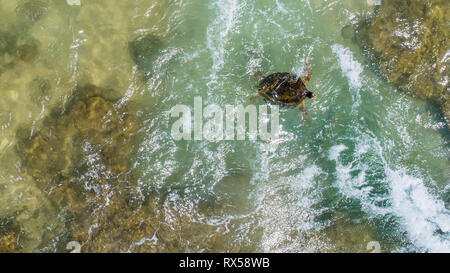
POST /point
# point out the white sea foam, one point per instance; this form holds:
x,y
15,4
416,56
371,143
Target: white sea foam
x,y
335,151
281,7
349,66
422,215
355,186
217,32
290,213
309,5
74,2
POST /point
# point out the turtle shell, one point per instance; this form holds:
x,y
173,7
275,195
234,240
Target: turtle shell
x,y
283,88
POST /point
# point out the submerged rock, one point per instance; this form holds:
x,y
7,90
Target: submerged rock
x,y
90,122
409,42
32,10
8,236
80,160
349,237
7,43
39,89
28,50
8,243
14,49
349,233
348,32
144,50
7,50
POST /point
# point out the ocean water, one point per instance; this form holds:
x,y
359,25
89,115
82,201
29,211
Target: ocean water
x,y
369,163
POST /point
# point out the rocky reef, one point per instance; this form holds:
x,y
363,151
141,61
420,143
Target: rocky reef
x,y
90,122
80,160
144,49
32,10
16,43
8,235
14,48
408,40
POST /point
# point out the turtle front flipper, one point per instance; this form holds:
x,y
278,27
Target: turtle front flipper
x,y
303,111
308,69
254,97
258,75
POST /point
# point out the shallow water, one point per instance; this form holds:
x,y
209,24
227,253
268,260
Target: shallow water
x,y
369,164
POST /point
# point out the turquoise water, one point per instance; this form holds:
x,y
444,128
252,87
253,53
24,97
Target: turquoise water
x,y
369,163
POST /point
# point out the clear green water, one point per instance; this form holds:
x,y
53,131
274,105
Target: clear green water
x,y
370,163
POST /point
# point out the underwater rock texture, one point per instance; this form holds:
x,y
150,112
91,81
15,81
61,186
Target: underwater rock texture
x,y
80,160
91,124
32,10
8,243
409,41
14,49
8,235
144,50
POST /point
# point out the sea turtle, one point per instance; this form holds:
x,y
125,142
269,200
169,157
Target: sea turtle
x,y
286,89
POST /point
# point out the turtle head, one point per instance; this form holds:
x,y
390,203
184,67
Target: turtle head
x,y
311,95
